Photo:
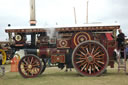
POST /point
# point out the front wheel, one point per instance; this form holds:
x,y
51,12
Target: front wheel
x,y
30,66
90,58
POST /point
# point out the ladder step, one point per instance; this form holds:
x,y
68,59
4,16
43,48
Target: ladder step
x,y
122,64
122,61
121,67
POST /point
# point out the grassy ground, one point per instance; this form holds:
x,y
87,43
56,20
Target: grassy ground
x,y
55,76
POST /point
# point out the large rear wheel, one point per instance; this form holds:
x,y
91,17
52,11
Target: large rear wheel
x,y
90,58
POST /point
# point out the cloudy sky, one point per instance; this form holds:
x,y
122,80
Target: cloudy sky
x,y
50,12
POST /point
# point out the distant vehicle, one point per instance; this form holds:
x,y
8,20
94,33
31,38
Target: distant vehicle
x,y
6,50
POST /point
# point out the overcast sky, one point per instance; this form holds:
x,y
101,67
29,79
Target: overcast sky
x,y
50,12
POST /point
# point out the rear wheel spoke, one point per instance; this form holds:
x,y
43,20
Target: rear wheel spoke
x,y
90,69
83,67
82,64
79,61
86,67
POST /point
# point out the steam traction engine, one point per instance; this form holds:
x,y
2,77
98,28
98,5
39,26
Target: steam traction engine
x,y
89,48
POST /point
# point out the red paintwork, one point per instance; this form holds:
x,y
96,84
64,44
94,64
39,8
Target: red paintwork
x,y
63,43
110,46
57,59
109,36
54,53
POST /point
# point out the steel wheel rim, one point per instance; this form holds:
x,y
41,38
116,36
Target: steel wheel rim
x,y
30,66
90,62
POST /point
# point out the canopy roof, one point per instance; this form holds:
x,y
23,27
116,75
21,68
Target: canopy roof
x,y
85,27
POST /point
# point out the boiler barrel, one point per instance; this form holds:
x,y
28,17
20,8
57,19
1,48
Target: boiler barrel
x,y
31,51
38,52
46,51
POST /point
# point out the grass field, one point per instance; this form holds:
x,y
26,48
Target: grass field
x,y
55,76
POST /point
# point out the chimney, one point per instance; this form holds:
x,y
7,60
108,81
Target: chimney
x,y
32,13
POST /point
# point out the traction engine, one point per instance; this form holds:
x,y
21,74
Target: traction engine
x,y
88,49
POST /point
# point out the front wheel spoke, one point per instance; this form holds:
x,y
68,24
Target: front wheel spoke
x,y
31,60
27,69
28,60
35,70
34,62
36,65
25,62
24,67
28,73
32,74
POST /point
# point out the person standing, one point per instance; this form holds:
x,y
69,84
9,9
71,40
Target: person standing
x,y
120,43
120,39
